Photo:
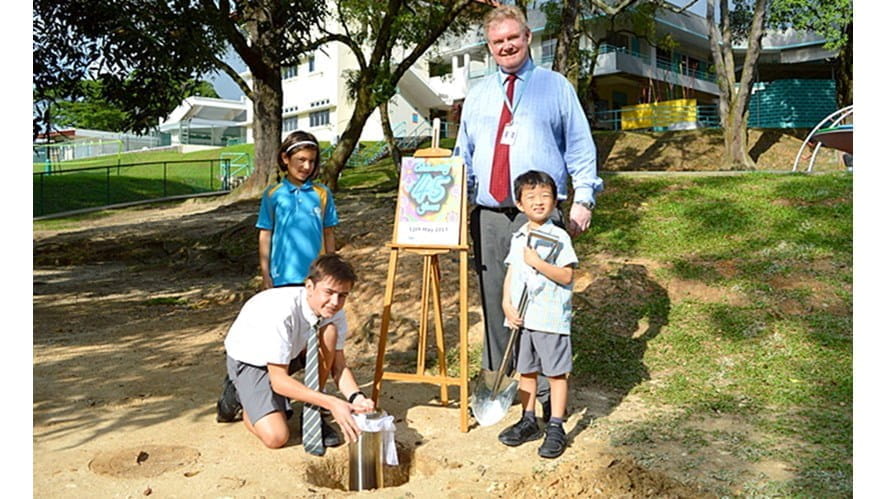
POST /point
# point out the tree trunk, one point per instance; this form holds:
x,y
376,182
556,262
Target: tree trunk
x,y
268,101
330,172
736,155
844,76
734,98
567,50
585,88
393,149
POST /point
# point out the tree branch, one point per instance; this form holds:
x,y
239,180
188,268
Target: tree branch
x,y
436,33
250,56
241,83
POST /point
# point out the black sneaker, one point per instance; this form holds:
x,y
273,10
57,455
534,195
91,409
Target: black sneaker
x,y
228,408
330,437
523,431
555,441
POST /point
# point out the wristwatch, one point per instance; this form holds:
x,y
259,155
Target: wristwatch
x,y
586,204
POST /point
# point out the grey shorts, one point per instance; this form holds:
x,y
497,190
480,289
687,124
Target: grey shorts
x,y
254,388
549,354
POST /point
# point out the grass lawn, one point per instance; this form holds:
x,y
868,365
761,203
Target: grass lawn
x,y
143,175
133,176
763,338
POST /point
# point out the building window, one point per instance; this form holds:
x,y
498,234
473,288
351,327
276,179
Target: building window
x,y
310,63
548,50
623,41
290,124
288,72
319,118
438,68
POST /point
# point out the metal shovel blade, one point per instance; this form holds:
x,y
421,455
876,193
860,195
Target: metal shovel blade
x,y
490,403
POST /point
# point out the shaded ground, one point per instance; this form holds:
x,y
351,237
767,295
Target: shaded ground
x,y
129,317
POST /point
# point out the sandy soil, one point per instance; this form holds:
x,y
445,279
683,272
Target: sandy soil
x,y
129,317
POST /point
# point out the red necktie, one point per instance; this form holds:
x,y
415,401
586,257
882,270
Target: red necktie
x,y
500,178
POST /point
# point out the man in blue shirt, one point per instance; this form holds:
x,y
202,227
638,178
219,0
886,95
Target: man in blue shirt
x,y
520,118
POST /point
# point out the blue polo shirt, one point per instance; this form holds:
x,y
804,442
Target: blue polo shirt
x,y
296,216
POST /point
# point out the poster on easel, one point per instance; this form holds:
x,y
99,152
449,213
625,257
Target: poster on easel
x,y
429,202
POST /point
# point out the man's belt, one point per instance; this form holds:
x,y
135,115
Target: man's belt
x,y
508,210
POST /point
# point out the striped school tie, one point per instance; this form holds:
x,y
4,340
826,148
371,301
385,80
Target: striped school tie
x,y
312,437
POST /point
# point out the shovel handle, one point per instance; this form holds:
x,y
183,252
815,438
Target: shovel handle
x,y
501,372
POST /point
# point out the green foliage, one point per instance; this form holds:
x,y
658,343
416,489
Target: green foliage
x,y
143,54
202,88
91,111
828,18
389,26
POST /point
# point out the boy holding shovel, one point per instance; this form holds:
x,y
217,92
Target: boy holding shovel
x,y
544,345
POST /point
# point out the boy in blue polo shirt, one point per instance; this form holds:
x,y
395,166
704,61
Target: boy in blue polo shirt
x,y
544,345
296,216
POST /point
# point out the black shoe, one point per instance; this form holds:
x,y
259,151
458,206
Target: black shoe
x,y
330,437
555,441
228,408
523,431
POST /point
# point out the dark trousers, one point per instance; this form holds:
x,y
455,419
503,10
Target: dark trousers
x,y
491,232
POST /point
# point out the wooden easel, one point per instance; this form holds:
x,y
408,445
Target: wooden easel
x,y
430,291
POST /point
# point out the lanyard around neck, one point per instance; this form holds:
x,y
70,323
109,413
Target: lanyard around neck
x,y
512,106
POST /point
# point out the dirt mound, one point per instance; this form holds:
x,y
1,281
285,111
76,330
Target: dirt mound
x,y
603,476
694,150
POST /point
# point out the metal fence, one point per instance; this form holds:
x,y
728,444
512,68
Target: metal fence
x,y
66,190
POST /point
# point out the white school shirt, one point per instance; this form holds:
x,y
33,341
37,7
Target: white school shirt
x,y
273,327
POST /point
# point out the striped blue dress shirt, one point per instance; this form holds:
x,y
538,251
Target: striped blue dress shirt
x,y
552,134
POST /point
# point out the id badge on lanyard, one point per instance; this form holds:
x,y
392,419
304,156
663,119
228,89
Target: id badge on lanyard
x,y
508,134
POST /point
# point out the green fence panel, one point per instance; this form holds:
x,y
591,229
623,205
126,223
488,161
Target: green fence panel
x,y
791,103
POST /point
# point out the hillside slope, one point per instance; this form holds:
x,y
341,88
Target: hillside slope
x,y
700,150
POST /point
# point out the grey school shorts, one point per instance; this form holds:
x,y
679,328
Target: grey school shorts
x,y
549,354
254,388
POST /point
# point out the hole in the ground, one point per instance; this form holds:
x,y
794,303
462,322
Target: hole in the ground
x,y
332,472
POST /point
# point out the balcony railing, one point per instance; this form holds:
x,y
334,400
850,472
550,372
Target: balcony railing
x,y
703,71
606,48
658,118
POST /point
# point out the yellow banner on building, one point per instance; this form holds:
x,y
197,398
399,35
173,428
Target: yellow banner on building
x,y
672,113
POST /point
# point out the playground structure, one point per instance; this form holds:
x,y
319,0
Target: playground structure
x,y
236,167
835,131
